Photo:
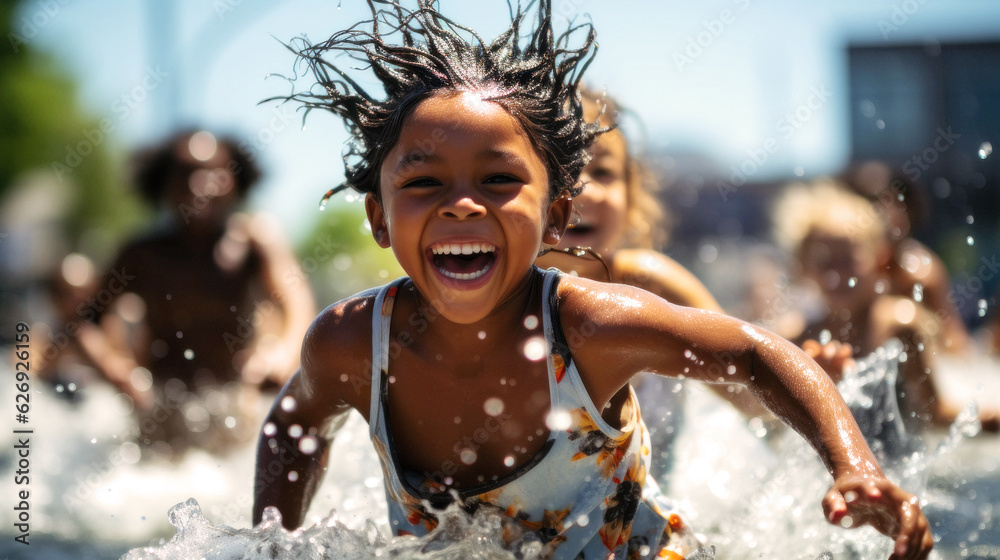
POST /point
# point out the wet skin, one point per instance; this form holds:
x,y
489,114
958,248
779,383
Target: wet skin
x,y
486,184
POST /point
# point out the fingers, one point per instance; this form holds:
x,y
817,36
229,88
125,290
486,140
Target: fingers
x,y
833,356
812,348
834,506
914,540
886,507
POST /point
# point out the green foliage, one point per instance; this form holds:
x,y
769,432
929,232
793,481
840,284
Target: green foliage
x,y
340,256
42,125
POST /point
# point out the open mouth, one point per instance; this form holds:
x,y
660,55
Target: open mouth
x,y
580,229
463,261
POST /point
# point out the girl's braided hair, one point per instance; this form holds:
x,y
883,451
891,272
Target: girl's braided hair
x,y
534,77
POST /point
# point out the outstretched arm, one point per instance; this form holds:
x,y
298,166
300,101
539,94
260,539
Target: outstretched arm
x,y
334,377
289,468
635,331
659,274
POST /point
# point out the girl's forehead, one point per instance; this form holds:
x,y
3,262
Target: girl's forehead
x,y
461,121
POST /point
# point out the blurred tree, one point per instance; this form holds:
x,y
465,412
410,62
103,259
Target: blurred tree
x,y
340,257
43,128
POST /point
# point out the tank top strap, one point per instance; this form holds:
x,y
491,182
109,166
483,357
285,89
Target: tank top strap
x,y
569,390
381,323
550,314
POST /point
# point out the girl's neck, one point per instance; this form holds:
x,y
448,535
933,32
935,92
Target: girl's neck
x,y
508,317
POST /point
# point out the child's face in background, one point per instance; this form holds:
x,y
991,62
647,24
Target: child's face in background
x,y
843,264
464,178
201,189
603,204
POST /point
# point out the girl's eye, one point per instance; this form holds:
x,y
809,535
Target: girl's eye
x,y
422,182
501,178
602,174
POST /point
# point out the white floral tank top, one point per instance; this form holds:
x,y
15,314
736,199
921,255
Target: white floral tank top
x,y
584,495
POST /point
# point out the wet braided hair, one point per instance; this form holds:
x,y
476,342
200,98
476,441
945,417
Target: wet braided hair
x,y
537,83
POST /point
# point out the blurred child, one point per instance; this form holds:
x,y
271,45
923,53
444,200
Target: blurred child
x,y
487,382
839,242
186,308
618,216
912,269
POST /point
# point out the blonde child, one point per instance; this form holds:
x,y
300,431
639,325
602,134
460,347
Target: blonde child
x,y
839,241
911,269
468,166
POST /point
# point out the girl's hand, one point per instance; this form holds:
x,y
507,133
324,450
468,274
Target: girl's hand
x,y
833,356
854,501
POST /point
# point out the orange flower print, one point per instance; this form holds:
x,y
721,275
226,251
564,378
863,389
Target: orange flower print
x,y
390,295
558,366
594,442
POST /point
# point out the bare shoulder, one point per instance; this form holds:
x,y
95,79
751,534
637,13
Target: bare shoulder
x,y
336,353
615,331
657,273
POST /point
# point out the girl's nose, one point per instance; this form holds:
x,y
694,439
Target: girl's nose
x,y
462,205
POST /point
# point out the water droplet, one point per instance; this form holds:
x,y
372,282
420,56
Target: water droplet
x,y
270,429
731,369
558,420
230,422
530,322
969,219
141,379
534,348
970,240
982,308
985,149
846,522
288,404
308,445
189,354
295,431
468,456
799,171
825,337
708,253
180,334
482,335
918,292
508,460
868,108
293,476
880,124
493,406
852,281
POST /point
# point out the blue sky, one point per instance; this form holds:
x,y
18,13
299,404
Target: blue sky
x,y
715,77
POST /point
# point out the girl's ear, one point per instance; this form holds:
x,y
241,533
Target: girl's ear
x,y
559,213
380,230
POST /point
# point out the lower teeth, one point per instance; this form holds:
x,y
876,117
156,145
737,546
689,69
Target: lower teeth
x,y
466,276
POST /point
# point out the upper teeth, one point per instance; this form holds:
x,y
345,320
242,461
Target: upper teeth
x,y
462,248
